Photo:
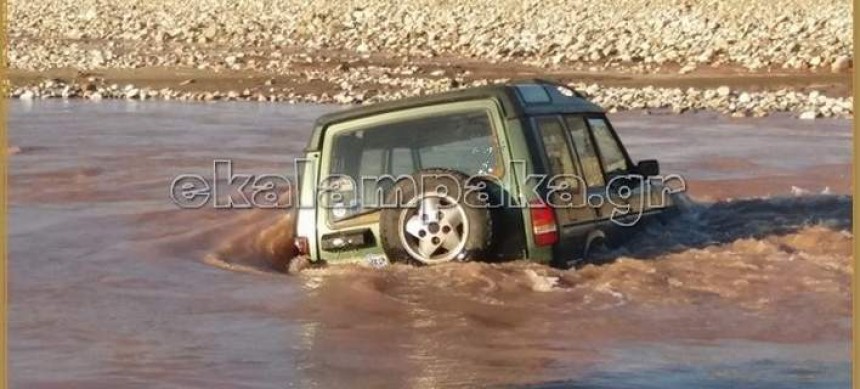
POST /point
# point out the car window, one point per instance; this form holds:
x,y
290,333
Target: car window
x,y
401,162
611,154
372,163
557,152
461,141
591,171
465,145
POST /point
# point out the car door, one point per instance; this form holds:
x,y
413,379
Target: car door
x,y
367,155
587,158
624,192
567,191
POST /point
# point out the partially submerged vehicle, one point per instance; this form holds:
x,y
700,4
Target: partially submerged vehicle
x,y
527,169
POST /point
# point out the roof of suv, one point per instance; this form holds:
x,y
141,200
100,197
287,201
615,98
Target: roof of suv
x,y
517,98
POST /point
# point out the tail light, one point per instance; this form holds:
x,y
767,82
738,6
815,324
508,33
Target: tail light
x,y
544,228
302,246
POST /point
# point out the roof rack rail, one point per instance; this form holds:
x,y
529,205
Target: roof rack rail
x,y
548,82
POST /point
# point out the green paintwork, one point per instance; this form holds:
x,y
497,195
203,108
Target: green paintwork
x,y
511,121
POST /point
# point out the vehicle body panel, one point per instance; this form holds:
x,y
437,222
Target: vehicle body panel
x,y
325,224
521,152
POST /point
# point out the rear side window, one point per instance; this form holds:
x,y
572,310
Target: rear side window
x,y
591,171
557,152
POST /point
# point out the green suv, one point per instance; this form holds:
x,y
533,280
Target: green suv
x,y
526,169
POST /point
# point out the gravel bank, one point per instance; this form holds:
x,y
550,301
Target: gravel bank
x,y
643,34
810,105
336,43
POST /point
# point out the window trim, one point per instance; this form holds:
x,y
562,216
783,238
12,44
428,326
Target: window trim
x,y
440,110
562,118
615,137
612,132
575,152
489,106
568,143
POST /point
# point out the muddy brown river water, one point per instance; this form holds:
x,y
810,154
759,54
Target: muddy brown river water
x,y
112,285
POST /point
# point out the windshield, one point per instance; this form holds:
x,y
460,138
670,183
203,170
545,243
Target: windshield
x,y
369,157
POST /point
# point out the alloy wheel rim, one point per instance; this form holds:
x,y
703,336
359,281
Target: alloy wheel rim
x,y
433,228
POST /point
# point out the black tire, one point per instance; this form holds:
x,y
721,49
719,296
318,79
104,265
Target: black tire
x,y
597,253
475,233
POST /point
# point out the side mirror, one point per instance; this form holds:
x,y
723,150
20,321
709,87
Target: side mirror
x,y
648,167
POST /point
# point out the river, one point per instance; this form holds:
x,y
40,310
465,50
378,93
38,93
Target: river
x,y
112,285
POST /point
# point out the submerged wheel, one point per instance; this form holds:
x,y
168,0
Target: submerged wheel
x,y
596,251
296,264
436,220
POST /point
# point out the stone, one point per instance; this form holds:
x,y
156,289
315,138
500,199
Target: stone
x,y
687,69
841,64
815,61
571,37
808,115
210,32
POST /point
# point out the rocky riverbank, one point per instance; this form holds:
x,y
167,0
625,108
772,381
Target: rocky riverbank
x,y
723,99
681,55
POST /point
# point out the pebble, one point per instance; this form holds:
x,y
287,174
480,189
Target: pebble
x,y
687,69
332,41
551,33
806,105
808,115
841,64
